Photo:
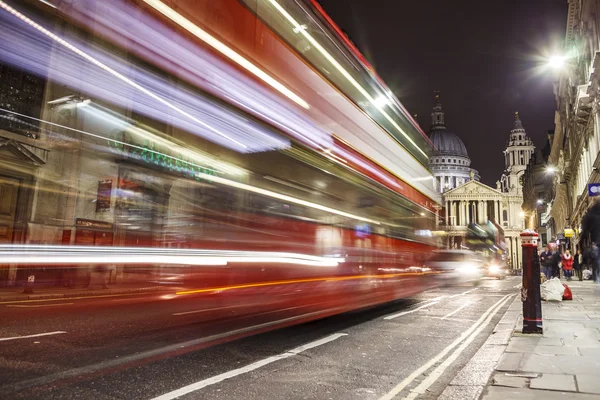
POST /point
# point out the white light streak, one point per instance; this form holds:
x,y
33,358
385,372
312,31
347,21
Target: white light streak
x,y
225,168
344,73
114,73
40,254
283,197
223,49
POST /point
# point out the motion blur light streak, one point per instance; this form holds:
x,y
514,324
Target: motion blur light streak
x,y
33,254
356,160
280,196
146,78
223,49
154,41
308,280
112,140
345,73
119,120
148,33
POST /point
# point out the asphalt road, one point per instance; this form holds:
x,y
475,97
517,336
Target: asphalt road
x,y
131,347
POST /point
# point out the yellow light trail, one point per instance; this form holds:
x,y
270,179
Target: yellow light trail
x,y
307,280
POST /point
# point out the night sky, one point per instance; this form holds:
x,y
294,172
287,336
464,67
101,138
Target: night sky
x,y
486,58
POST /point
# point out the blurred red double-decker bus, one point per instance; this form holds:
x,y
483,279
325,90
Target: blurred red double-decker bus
x,y
239,149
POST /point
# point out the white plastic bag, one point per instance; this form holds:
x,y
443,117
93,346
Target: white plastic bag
x,y
552,290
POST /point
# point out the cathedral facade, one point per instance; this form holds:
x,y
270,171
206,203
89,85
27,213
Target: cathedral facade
x,y
467,201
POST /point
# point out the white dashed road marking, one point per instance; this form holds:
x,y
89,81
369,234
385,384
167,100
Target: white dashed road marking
x,y
430,303
30,336
37,305
467,337
457,310
248,368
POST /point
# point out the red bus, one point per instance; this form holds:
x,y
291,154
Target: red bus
x,y
243,149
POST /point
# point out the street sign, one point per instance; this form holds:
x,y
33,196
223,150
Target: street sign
x,y
569,232
593,189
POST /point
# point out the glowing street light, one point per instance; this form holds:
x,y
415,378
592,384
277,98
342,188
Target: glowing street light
x,y
556,62
540,201
550,170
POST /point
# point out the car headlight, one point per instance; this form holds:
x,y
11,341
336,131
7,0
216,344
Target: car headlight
x,y
468,268
494,269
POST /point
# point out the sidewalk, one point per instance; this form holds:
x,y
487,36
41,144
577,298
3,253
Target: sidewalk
x,y
16,293
564,362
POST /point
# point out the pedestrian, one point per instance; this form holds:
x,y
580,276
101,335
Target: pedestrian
x,y
590,228
595,258
578,264
545,261
555,264
567,263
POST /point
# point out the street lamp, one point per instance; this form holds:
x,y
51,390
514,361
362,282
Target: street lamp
x,y
540,201
556,62
550,170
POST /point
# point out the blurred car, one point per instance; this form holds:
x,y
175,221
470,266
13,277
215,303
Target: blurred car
x,y
458,266
496,269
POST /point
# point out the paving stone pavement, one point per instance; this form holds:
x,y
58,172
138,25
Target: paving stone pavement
x,y
563,363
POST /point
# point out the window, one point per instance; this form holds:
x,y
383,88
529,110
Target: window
x,y
504,215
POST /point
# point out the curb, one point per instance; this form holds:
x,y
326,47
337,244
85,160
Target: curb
x,y
91,294
475,376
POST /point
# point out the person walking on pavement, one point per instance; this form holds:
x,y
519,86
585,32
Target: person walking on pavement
x,y
555,264
567,264
578,264
545,261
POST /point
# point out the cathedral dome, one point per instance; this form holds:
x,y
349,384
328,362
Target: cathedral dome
x,y
447,143
449,163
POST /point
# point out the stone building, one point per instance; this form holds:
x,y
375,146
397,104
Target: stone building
x,y
450,163
476,203
575,150
536,181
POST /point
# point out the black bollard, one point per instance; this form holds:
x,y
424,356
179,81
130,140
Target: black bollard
x,y
530,293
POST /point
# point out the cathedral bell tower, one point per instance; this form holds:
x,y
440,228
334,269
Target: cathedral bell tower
x,y
516,157
437,114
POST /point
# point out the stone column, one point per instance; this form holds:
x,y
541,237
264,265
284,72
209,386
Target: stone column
x,y
461,213
447,203
485,211
497,210
468,210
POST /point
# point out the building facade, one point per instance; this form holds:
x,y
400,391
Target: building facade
x,y
450,162
574,156
536,181
473,202
476,203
